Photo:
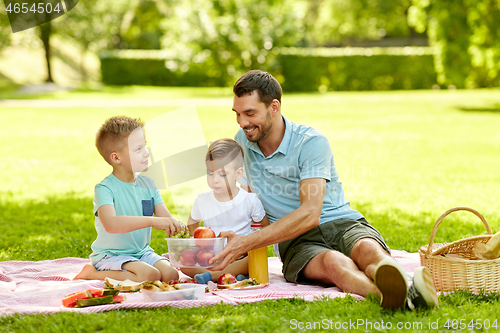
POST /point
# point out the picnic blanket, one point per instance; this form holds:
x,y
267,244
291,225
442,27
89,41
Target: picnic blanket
x,y
31,287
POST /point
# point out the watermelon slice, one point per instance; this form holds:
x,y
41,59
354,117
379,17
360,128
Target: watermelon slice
x,y
119,298
92,297
111,299
80,303
70,300
103,292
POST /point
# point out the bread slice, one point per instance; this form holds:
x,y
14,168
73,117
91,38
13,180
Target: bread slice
x,y
250,281
490,250
151,287
127,285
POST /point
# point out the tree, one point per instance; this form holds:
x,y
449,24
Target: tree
x,y
340,21
5,30
233,35
465,35
142,28
45,34
95,25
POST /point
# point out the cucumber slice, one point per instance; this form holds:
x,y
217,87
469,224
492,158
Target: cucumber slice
x,y
80,303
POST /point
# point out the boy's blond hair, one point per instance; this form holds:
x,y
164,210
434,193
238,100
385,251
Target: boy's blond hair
x,y
226,149
113,135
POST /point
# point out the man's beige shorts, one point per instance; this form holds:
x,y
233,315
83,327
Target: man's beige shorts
x,y
339,235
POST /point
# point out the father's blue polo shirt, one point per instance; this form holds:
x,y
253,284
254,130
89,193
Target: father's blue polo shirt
x,y
303,153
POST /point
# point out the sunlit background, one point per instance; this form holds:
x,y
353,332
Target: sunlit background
x,y
327,44
404,156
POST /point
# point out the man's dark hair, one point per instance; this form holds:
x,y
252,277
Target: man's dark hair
x,y
266,85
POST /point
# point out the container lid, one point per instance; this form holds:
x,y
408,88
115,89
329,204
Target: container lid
x,y
256,225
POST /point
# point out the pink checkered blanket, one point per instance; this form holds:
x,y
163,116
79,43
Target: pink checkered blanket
x,y
31,287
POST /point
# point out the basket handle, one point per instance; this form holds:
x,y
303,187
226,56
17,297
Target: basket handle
x,y
441,218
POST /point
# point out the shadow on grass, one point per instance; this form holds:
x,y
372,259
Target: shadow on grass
x,y
98,91
16,93
53,228
495,108
7,86
63,226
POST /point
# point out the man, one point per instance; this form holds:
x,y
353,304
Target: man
x,y
321,239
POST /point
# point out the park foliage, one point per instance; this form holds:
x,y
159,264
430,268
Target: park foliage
x,y
237,35
298,69
465,34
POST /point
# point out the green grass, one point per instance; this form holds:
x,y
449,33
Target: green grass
x,y
403,157
266,316
97,92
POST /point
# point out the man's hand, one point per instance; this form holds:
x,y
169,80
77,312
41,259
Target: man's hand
x,y
299,221
235,248
171,225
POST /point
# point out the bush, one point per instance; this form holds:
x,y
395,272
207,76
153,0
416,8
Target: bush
x,y
360,69
150,68
298,69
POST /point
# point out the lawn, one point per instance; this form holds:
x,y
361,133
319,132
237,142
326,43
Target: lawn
x,y
404,158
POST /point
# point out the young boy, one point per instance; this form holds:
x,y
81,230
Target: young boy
x,y
124,205
225,206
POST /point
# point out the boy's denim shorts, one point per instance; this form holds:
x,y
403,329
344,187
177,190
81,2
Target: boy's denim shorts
x,y
114,263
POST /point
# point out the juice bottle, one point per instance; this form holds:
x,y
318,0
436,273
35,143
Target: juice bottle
x,y
257,260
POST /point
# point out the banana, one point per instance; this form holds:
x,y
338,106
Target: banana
x,y
490,250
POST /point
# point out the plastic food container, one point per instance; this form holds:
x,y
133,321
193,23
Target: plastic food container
x,y
193,252
190,291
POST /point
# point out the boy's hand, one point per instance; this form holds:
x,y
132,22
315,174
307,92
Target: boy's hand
x,y
171,225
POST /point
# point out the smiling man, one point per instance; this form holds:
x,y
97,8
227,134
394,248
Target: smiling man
x,y
321,239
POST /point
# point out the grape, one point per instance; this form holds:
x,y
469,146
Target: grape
x,y
182,234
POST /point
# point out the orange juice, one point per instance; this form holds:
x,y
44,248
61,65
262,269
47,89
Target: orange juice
x,y
257,264
257,261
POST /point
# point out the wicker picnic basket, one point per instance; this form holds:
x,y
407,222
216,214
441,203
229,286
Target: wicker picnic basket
x,y
453,265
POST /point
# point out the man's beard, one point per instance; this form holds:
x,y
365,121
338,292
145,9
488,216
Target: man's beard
x,y
264,130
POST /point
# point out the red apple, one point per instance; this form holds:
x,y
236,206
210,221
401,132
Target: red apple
x,y
203,237
188,257
204,232
226,278
204,256
172,282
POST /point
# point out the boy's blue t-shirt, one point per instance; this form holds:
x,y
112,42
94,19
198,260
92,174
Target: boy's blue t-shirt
x,y
129,199
303,153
